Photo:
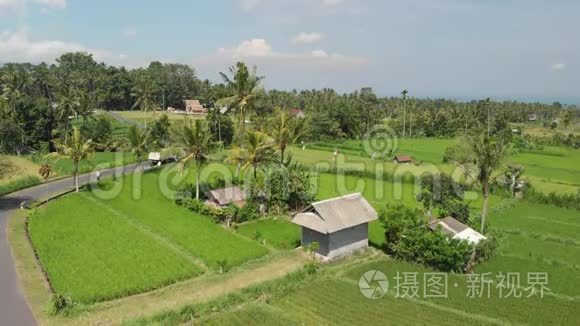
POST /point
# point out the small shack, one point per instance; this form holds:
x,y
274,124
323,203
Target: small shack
x,y
339,225
223,197
401,159
456,230
194,107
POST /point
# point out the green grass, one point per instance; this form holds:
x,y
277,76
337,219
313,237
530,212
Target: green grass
x,y
279,232
91,255
337,302
102,160
539,238
20,173
533,310
145,202
552,169
18,184
252,314
141,116
422,149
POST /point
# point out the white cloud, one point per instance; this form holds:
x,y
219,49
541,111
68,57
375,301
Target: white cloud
x,y
319,54
257,47
129,32
16,5
123,56
53,3
259,51
331,2
307,38
17,47
248,5
559,66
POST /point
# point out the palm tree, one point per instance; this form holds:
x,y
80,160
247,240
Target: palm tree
x,y
86,105
138,142
285,131
196,138
76,148
144,93
244,86
488,154
13,82
67,104
512,179
404,93
258,150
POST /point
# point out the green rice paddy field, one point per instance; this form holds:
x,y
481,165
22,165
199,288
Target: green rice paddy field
x,y
334,298
552,169
94,248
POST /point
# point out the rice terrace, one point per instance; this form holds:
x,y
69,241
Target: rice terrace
x,y
318,174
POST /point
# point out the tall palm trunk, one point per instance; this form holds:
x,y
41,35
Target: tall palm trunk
x,y
255,171
76,174
197,177
485,204
282,150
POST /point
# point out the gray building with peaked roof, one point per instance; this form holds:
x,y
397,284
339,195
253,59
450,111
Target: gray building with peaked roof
x,y
339,225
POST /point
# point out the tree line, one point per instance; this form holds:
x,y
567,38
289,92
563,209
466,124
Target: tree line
x,y
37,101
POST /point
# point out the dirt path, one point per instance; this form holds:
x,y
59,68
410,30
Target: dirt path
x,y
200,289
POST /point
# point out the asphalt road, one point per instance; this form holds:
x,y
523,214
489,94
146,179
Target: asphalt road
x,y
13,307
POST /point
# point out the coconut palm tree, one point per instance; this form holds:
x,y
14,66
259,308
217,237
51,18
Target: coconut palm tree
x,y
244,85
138,142
196,139
404,93
144,93
487,155
258,150
76,148
285,131
67,104
13,82
513,179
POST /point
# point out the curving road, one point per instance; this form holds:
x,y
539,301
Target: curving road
x,y
13,307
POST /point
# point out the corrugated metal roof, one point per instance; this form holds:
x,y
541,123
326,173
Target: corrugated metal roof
x,y
329,216
403,158
456,230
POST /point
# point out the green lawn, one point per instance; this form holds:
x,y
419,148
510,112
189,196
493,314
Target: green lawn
x,y
279,232
143,199
92,255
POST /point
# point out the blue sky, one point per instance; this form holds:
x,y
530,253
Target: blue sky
x,y
438,48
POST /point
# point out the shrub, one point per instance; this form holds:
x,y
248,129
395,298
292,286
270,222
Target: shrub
x,y
407,237
248,213
560,200
58,303
433,249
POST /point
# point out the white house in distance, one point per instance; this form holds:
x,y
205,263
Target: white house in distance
x,y
456,230
339,225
